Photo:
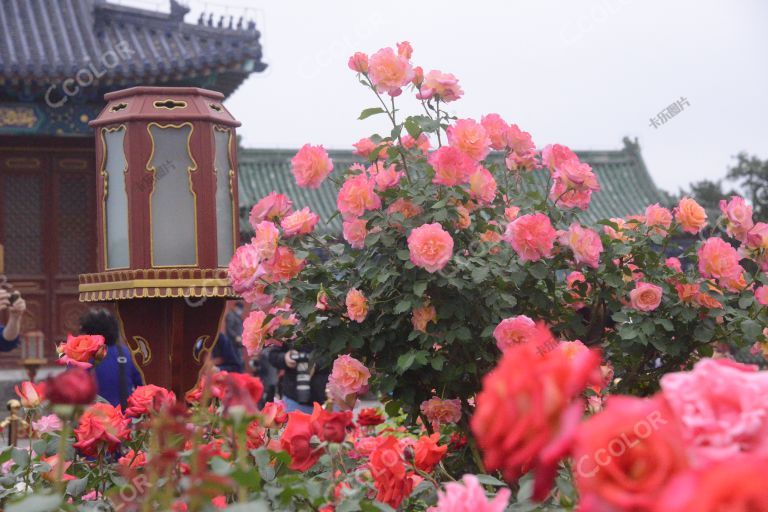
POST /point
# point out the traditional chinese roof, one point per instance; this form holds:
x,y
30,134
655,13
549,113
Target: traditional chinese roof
x,y
627,187
44,42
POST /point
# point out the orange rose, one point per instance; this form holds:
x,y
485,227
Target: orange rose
x,y
624,455
149,399
101,427
691,216
428,453
80,350
645,297
357,305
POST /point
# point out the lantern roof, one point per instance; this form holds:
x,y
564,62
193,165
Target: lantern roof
x,y
164,104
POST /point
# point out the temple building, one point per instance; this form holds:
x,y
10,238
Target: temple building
x,y
57,60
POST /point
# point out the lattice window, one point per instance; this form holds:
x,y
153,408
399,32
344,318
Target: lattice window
x,y
75,224
23,223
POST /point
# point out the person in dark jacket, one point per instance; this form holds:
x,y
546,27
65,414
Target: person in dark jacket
x,y
228,355
9,333
304,380
116,374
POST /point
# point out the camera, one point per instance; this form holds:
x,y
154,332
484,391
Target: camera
x,y
303,392
13,298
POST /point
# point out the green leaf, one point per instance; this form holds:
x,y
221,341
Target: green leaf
x,y
404,254
751,329
746,301
489,480
479,274
419,288
405,361
36,503
392,408
627,333
76,488
403,306
703,333
370,112
539,270
412,127
20,457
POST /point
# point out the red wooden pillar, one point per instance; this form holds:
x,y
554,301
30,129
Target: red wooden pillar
x,y
167,216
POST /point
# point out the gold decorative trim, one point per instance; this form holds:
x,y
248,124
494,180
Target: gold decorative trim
x,y
22,163
232,178
118,107
73,163
104,179
190,170
153,283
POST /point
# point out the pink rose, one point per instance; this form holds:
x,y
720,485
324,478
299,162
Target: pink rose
x,y
389,72
452,166
443,85
349,375
356,196
570,197
690,215
265,238
271,207
718,259
300,222
421,142
386,177
761,295
674,264
310,166
354,232
554,155
482,186
584,243
430,246
358,62
357,305
513,331
723,408
576,282
470,137
531,236
255,332
405,49
658,217
497,130
645,297
738,215
469,495
47,424
442,411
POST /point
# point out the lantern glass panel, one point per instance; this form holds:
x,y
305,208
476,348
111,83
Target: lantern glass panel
x,y
224,196
173,213
116,198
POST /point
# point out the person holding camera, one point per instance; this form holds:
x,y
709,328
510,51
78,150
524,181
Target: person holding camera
x,y
304,380
9,333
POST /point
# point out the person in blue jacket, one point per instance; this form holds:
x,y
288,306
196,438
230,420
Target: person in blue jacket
x,y
9,333
116,374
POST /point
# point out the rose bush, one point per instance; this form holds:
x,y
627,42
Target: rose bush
x,y
443,226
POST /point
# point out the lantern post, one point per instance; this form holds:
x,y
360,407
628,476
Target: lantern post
x,y
167,225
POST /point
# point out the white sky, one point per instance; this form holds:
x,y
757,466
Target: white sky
x,y
583,73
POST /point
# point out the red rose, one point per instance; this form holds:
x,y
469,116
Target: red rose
x,y
458,441
428,453
369,417
80,350
237,390
389,474
102,426
256,435
273,414
74,386
133,460
625,455
330,426
731,484
528,411
148,399
296,440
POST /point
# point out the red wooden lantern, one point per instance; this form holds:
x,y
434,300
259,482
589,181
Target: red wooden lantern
x,y
168,224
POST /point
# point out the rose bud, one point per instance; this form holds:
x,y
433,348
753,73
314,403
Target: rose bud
x,y
74,386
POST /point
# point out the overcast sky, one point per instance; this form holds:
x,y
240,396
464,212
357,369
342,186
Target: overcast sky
x,y
583,73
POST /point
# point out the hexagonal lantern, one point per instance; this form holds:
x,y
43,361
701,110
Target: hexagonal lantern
x,y
167,217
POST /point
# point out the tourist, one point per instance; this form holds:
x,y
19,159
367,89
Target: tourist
x,y
9,333
303,383
116,374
